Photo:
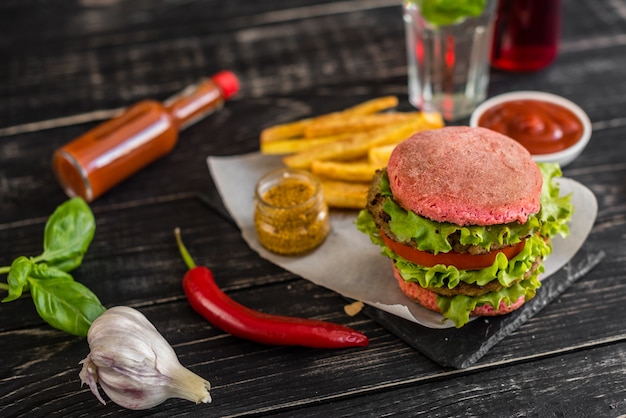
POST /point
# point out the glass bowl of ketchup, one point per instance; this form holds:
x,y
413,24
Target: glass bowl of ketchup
x,y
552,128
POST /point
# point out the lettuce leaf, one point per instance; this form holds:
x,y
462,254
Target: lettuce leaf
x,y
556,210
458,308
504,270
432,236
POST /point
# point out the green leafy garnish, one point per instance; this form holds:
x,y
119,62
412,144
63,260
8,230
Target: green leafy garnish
x,y
447,12
555,210
60,301
457,308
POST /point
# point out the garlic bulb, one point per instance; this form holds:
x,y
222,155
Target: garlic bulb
x,y
135,365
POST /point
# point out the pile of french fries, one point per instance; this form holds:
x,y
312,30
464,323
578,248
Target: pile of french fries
x,y
344,149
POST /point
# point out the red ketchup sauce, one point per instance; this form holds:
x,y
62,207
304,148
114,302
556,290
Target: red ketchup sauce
x,y
541,127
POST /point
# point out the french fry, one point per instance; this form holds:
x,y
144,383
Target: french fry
x,y
297,128
285,131
290,146
433,119
344,171
355,146
338,194
355,123
371,106
379,156
353,308
345,149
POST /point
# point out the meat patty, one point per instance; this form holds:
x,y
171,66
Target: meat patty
x,y
476,290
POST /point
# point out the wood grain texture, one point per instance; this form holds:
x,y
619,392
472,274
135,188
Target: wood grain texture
x,y
64,63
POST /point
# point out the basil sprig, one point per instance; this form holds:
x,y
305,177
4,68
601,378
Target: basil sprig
x,y
61,301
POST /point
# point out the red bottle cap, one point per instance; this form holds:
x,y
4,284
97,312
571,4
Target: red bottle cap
x,y
227,82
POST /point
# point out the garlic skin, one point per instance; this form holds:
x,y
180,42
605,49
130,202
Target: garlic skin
x,y
135,366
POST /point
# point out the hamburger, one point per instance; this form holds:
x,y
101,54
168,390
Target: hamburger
x,y
466,217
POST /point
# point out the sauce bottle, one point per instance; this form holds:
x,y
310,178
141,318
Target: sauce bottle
x,y
525,34
104,156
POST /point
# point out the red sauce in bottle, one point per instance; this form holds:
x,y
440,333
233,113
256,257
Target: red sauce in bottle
x,y
541,127
101,158
526,34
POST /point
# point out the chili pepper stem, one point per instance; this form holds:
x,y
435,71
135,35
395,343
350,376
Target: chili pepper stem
x,y
183,250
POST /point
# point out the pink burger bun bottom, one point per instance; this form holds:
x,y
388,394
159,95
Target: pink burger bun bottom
x,y
428,299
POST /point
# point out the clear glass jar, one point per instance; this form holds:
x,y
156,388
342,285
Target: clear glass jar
x,y
290,215
448,63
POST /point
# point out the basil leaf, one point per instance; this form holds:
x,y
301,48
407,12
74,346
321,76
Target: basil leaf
x,y
43,271
67,235
17,278
62,302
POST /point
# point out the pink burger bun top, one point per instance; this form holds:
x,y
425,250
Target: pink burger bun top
x,y
466,176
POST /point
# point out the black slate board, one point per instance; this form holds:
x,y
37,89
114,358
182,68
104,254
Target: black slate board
x,y
461,348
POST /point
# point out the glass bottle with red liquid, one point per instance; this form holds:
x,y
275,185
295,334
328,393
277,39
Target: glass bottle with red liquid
x,y
109,153
526,34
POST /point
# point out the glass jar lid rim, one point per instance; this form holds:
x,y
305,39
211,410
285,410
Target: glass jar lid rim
x,y
276,176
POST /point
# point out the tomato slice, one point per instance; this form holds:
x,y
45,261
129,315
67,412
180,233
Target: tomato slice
x,y
462,261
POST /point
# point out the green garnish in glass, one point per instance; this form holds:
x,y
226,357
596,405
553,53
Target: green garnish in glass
x,y
447,12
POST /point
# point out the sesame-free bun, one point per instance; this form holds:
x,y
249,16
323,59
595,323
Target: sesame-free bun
x,y
466,176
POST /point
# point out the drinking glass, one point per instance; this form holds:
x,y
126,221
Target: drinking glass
x,y
448,65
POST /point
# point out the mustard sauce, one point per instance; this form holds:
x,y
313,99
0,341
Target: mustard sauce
x,y
291,216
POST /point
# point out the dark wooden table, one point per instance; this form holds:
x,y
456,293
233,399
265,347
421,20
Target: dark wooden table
x,y
64,65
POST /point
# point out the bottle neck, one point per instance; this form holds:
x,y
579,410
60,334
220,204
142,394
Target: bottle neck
x,y
194,103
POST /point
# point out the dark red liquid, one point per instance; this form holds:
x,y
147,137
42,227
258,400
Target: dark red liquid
x,y
526,34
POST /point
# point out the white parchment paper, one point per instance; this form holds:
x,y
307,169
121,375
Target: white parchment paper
x,y
347,262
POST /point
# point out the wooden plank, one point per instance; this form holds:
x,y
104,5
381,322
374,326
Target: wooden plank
x,y
588,383
358,380
296,59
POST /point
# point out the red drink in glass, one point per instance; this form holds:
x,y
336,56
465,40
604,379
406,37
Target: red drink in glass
x,y
526,34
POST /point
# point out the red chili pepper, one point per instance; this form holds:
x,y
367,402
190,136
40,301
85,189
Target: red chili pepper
x,y
206,298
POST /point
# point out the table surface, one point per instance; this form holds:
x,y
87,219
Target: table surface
x,y
67,65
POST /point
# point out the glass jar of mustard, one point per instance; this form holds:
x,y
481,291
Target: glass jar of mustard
x,y
290,215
